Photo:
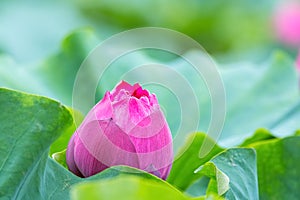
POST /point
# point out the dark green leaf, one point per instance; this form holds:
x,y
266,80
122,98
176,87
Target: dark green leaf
x,y
62,142
278,173
29,124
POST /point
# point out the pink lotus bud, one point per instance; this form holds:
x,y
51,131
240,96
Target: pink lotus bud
x,y
126,127
287,23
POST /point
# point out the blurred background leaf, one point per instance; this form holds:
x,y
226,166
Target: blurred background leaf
x,y
259,94
32,29
218,26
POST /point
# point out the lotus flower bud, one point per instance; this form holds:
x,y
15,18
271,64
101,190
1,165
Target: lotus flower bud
x,y
287,23
127,127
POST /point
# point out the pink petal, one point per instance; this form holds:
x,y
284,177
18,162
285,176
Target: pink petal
x,y
87,164
164,172
153,100
155,151
149,126
107,143
138,110
121,95
103,110
126,86
131,111
70,157
153,144
139,92
121,115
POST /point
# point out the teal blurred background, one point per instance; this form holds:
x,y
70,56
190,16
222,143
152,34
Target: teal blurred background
x,y
32,29
43,44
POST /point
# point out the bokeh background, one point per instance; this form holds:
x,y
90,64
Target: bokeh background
x,y
32,30
43,43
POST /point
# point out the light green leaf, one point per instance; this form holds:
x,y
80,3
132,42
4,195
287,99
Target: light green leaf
x,y
126,188
60,157
220,182
233,174
57,181
258,136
